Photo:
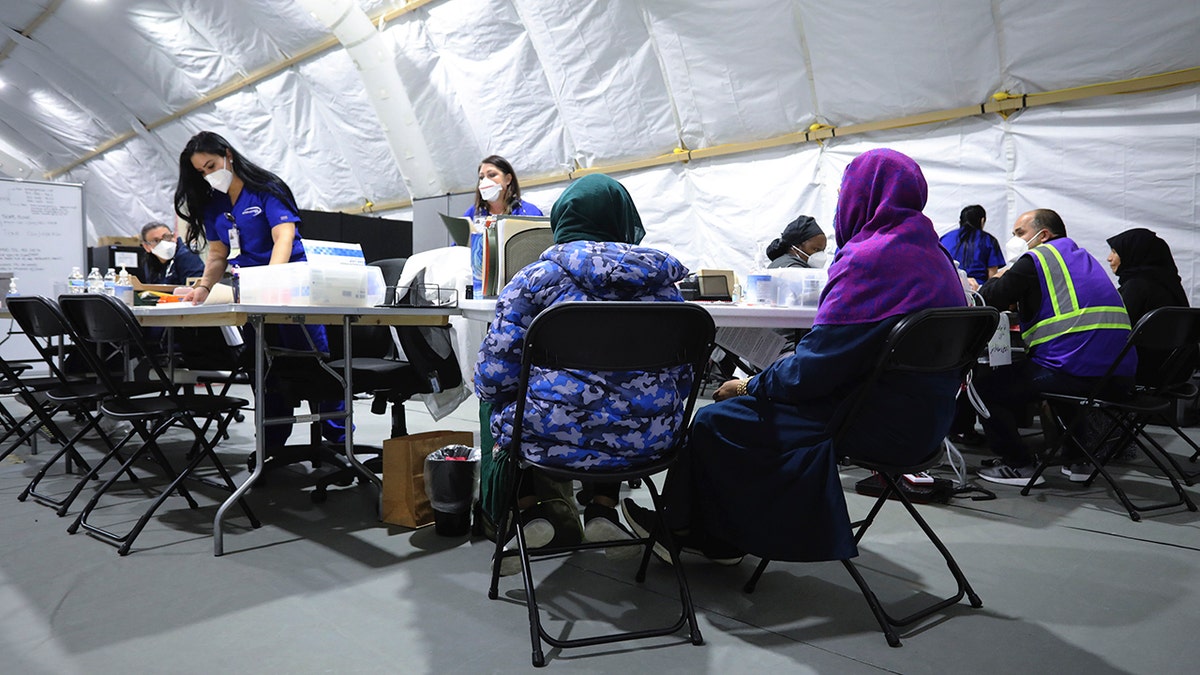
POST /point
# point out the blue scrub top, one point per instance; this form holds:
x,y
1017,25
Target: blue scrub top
x,y
524,208
983,254
255,213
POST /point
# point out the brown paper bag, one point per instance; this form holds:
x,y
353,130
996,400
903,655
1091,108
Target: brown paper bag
x,y
404,500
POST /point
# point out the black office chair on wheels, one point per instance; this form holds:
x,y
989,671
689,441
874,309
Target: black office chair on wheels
x,y
429,366
931,341
593,337
1172,330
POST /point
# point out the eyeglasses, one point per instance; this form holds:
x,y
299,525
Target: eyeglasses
x,y
166,237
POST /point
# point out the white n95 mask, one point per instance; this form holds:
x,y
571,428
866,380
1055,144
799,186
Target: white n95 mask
x,y
818,259
489,190
221,179
165,250
1016,246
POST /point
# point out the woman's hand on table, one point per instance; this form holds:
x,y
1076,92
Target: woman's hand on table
x,y
196,295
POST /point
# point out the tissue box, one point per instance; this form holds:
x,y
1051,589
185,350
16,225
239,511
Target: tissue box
x,y
302,283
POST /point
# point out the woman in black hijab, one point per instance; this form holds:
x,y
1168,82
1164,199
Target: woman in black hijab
x,y
1148,279
801,244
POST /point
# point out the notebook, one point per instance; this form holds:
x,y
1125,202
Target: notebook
x,y
459,227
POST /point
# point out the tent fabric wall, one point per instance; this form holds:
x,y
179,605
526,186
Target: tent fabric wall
x,y
560,85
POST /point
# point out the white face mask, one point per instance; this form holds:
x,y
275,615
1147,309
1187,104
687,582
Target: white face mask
x,y
489,190
1016,246
221,179
815,260
165,250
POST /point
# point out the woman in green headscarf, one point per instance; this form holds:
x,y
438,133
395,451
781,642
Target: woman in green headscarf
x,y
595,257
596,208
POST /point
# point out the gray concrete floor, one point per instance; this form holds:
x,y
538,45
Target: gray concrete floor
x,y
1069,583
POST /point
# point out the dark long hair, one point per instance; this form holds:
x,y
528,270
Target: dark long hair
x,y
514,187
193,193
970,224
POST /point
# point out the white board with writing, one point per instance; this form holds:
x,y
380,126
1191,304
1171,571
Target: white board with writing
x,y
42,236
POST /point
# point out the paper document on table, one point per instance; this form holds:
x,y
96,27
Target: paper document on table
x,y
759,346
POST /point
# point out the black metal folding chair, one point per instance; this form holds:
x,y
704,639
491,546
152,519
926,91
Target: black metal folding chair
x,y
594,337
930,341
1175,330
43,323
100,319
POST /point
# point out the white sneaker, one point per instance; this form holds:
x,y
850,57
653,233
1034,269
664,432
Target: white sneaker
x,y
1007,475
1078,473
538,533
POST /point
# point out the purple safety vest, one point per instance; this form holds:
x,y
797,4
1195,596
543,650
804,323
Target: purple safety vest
x,y
1082,324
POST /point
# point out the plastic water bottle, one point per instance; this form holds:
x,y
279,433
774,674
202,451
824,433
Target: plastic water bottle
x,y
124,287
95,282
75,283
12,286
110,282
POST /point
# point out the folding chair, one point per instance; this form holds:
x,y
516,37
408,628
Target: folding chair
x,y
1169,329
43,323
593,337
101,319
946,340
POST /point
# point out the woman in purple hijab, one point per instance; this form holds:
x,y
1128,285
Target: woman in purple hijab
x,y
760,475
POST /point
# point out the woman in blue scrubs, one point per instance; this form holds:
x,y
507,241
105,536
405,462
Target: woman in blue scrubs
x,y
249,217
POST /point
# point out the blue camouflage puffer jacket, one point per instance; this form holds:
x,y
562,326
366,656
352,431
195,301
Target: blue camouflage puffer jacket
x,y
574,419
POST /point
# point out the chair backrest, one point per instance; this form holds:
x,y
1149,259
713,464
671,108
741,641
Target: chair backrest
x,y
41,320
1173,332
618,336
937,340
102,319
428,349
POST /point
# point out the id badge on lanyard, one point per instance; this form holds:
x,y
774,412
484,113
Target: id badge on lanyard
x,y
235,240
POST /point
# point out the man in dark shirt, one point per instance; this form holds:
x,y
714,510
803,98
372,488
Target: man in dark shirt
x,y
1072,321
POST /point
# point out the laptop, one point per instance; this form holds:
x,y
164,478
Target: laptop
x,y
459,227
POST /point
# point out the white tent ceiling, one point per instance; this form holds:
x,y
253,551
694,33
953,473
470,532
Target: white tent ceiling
x,y
106,92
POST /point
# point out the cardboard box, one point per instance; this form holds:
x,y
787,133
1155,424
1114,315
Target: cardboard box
x,y
404,500
119,241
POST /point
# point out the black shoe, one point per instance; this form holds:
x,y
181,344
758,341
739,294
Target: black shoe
x,y
645,524
643,521
717,551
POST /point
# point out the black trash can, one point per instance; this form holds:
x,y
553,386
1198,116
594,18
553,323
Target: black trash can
x,y
452,483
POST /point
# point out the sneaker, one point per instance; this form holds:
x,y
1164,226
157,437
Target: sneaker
x,y
601,523
717,551
1007,475
645,525
1078,473
550,522
643,522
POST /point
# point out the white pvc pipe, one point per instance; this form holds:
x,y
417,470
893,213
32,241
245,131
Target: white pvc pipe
x,y
373,57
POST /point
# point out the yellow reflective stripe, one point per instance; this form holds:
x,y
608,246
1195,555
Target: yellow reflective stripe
x,y
1091,318
1066,277
1059,285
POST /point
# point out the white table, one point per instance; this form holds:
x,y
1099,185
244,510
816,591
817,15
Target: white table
x,y
182,315
724,314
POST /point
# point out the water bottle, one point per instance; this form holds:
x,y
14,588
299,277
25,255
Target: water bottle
x,y
110,282
12,286
75,283
124,287
95,282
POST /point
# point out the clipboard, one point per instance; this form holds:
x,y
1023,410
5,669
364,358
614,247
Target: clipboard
x,y
459,227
